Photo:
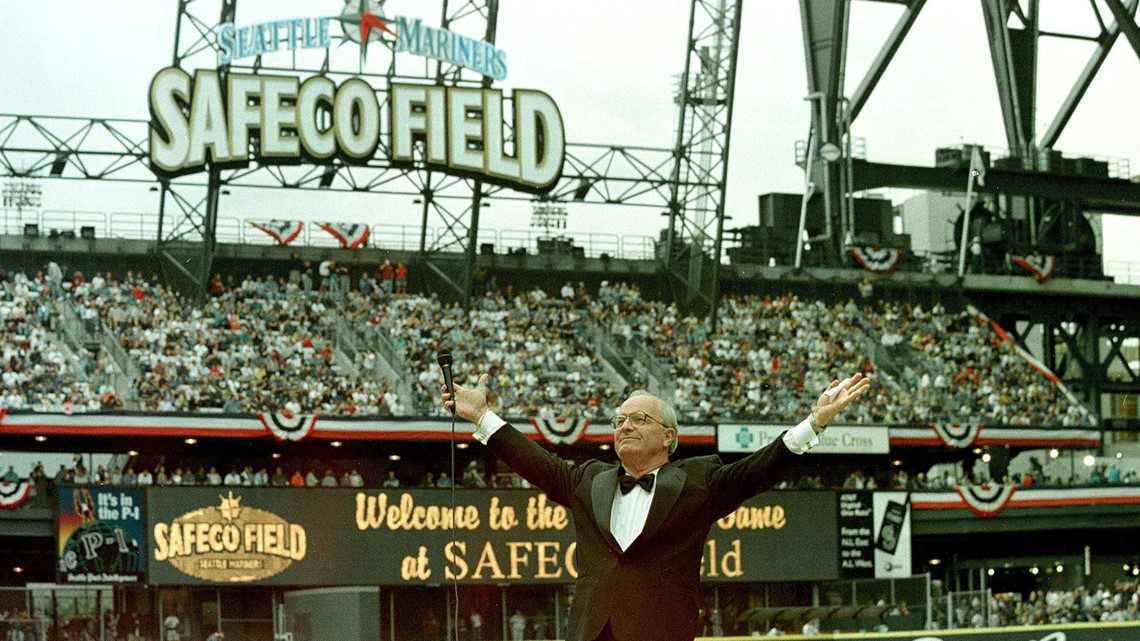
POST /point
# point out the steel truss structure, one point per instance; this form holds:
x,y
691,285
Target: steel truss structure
x,y
116,150
1086,342
687,181
697,189
1014,33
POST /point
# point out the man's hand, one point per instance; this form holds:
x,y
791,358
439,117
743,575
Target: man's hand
x,y
837,397
470,403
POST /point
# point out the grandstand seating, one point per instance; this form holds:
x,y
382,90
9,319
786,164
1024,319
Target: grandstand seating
x,y
766,358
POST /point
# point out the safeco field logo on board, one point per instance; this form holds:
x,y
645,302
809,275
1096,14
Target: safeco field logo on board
x,y
229,543
230,120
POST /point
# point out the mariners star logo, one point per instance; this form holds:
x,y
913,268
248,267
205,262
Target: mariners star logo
x,y
362,22
230,507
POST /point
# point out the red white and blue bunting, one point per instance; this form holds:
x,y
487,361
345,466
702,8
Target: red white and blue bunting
x,y
282,231
965,436
990,501
563,431
1042,267
954,435
350,235
14,494
875,259
285,426
303,427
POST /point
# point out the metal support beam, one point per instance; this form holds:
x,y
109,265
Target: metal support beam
x,y
825,26
1079,341
185,242
1013,52
886,54
1124,18
691,256
1105,42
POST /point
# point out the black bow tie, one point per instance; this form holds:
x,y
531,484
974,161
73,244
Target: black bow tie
x,y
626,482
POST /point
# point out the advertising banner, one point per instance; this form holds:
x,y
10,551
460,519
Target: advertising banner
x,y
327,536
892,534
874,535
837,439
100,537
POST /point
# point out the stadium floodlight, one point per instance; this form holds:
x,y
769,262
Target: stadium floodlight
x,y
1089,460
548,215
1054,453
23,193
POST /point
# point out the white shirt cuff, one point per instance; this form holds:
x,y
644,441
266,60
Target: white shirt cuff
x,y
488,425
801,438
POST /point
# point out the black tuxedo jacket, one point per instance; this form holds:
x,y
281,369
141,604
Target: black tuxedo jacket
x,y
648,592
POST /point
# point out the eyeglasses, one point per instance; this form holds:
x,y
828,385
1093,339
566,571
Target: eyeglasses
x,y
637,419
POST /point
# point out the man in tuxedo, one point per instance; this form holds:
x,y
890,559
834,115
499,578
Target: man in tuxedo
x,y
641,526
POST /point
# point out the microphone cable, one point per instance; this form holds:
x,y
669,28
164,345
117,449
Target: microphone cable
x,y
454,530
443,358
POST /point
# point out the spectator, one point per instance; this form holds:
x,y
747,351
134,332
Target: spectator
x,y
401,278
279,479
387,278
518,626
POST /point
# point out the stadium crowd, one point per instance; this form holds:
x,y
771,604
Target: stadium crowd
x,y
248,347
243,352
1120,602
35,369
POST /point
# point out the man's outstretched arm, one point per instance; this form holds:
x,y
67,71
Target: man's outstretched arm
x,y
758,472
527,458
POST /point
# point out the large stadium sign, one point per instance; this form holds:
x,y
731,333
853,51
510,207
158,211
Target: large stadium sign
x,y
326,536
229,120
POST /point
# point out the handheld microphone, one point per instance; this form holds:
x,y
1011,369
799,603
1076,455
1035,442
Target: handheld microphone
x,y
443,357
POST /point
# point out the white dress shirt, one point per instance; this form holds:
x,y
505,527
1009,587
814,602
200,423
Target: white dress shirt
x,y
629,511
628,514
